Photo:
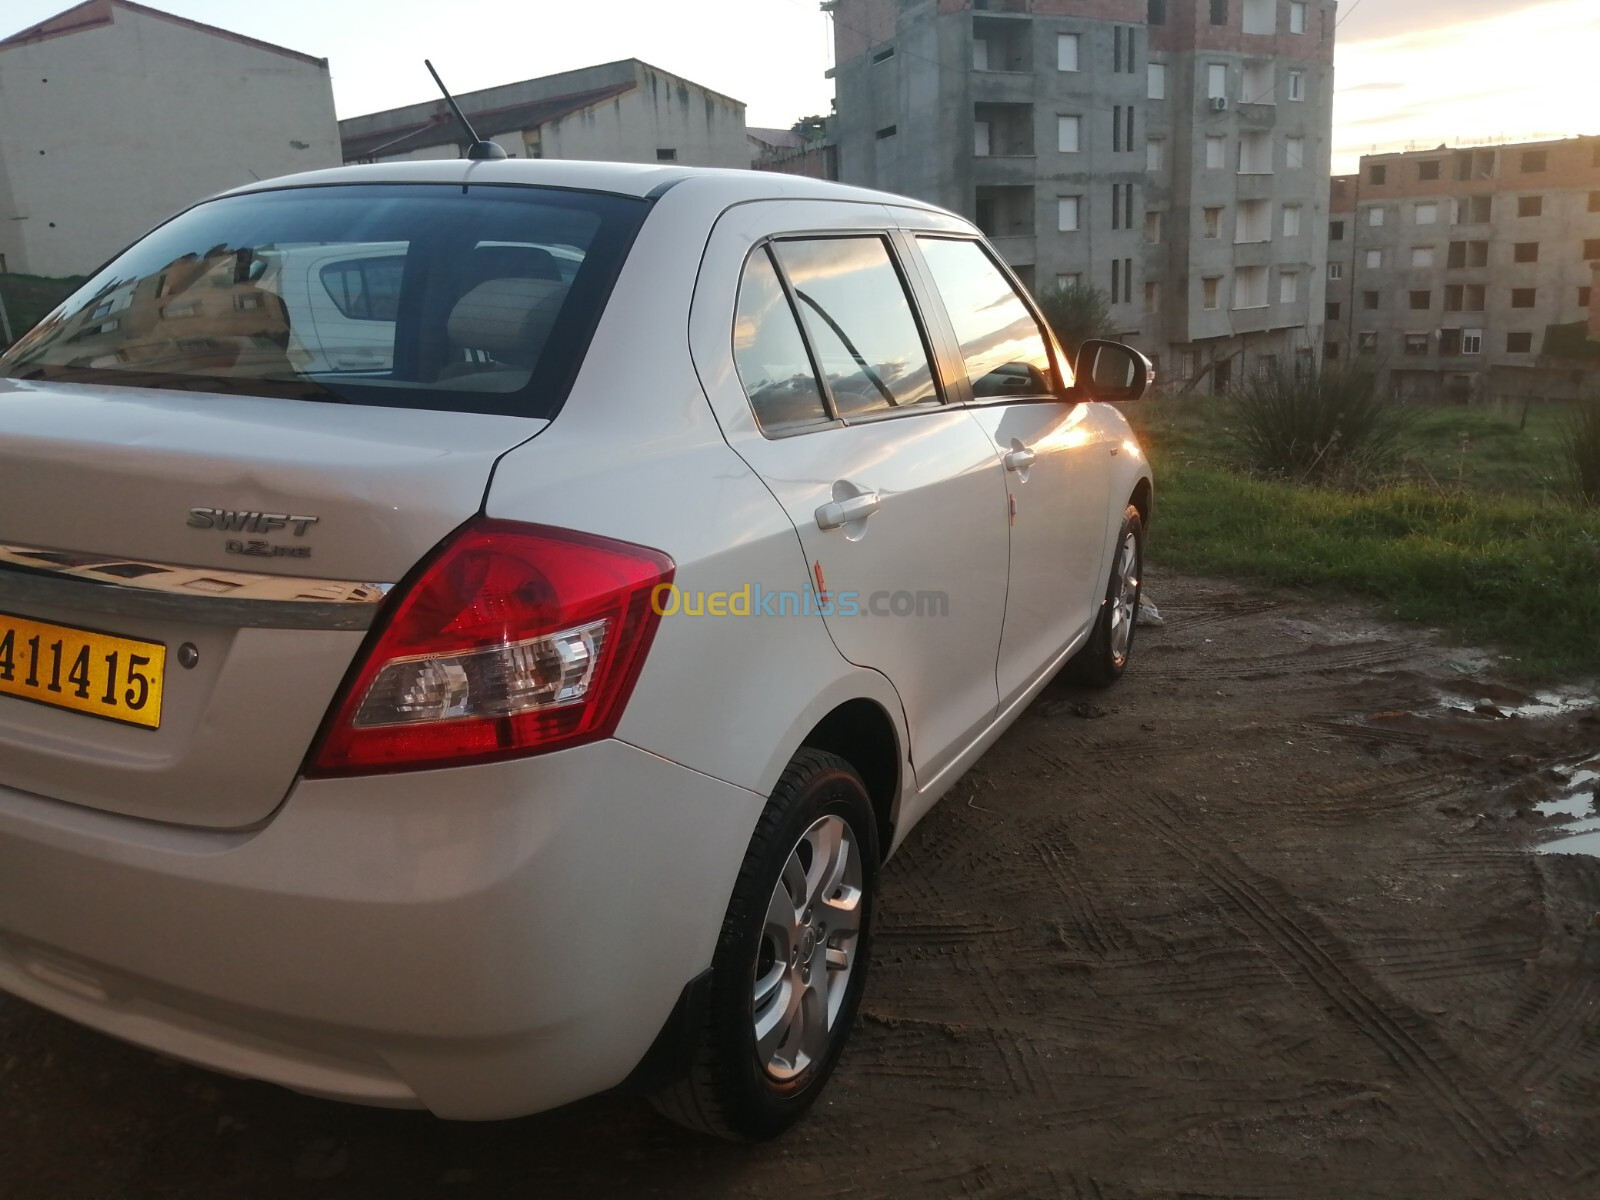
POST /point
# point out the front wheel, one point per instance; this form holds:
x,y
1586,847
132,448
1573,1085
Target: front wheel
x,y
791,961
1105,655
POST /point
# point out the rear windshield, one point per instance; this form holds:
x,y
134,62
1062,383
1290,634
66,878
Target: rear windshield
x,y
477,298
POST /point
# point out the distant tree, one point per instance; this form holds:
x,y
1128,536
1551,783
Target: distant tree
x,y
1078,313
811,128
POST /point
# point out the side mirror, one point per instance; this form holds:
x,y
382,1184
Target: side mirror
x,y
1112,371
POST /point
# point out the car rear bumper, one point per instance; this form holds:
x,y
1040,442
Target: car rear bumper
x,y
482,942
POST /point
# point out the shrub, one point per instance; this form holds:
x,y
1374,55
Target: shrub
x,y
1580,444
1077,314
1314,422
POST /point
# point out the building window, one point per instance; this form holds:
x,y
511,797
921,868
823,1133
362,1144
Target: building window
x,y
1421,258
1297,85
1524,297
1530,206
1217,81
1472,341
1330,351
888,131
1367,342
1414,343
1289,287
1378,174
1068,212
1152,228
1219,12
883,55
1156,13
1255,153
1375,217
1070,279
1428,169
1335,271
1250,287
1253,222
1534,162
1260,84
1067,51
1216,153
1152,298
1155,154
1297,16
1371,300
666,154
1584,296
1295,153
1449,342
1291,220
1261,16
1421,301
1426,214
1156,88
1464,297
1374,260
1069,134
1332,310
1591,248
1474,210
982,139
1336,231
1594,202
1519,343
1525,252
1213,222
1210,289
1468,254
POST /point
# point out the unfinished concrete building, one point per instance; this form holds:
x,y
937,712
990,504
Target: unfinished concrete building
x,y
1469,273
1172,153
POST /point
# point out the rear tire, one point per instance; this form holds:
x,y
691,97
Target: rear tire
x,y
791,961
1105,655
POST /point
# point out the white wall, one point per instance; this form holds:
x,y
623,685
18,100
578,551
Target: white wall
x,y
108,131
707,130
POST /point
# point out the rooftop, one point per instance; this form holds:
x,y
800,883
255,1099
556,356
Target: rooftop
x,y
97,14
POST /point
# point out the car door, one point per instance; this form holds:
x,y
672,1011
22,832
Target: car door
x,y
897,498
1056,461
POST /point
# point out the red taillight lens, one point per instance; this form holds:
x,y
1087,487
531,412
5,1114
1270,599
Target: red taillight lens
x,y
515,639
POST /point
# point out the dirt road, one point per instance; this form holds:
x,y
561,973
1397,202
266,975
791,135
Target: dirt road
x,y
1262,921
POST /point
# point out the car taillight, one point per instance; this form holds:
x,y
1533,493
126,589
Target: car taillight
x,y
515,639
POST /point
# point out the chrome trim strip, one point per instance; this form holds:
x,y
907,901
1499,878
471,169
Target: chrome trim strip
x,y
41,579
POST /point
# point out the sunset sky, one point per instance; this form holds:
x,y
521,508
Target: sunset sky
x,y
1410,72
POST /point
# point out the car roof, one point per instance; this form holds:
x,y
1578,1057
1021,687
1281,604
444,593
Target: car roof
x,y
644,180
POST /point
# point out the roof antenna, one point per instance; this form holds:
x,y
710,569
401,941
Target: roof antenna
x,y
480,149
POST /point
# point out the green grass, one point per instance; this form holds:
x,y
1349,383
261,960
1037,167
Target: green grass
x,y
1476,541
29,297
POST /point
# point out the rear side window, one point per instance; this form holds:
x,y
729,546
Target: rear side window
x,y
771,357
478,298
859,322
1001,343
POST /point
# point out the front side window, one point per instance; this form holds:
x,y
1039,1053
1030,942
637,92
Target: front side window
x,y
1002,346
435,296
770,354
859,322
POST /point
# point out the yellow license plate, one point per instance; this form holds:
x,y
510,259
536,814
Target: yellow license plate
x,y
81,669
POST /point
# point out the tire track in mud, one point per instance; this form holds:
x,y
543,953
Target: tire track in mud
x,y
1179,619
1312,953
1382,790
1303,662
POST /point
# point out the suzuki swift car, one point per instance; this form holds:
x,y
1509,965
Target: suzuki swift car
x,y
472,632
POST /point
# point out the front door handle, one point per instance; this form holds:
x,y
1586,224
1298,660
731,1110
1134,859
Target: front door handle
x,y
841,512
1020,459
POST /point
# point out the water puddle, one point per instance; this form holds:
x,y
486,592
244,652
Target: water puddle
x,y
1574,809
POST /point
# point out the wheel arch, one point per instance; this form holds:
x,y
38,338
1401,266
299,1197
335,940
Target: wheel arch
x,y
1143,498
861,732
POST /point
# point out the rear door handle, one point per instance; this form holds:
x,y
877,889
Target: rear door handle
x,y
840,512
1020,460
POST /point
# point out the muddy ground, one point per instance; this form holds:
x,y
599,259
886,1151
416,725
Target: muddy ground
x,y
1262,921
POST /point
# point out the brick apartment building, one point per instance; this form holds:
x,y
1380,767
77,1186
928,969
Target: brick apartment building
x,y
1470,273
1172,153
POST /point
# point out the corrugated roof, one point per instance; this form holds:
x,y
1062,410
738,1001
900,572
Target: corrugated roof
x,y
96,14
441,128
